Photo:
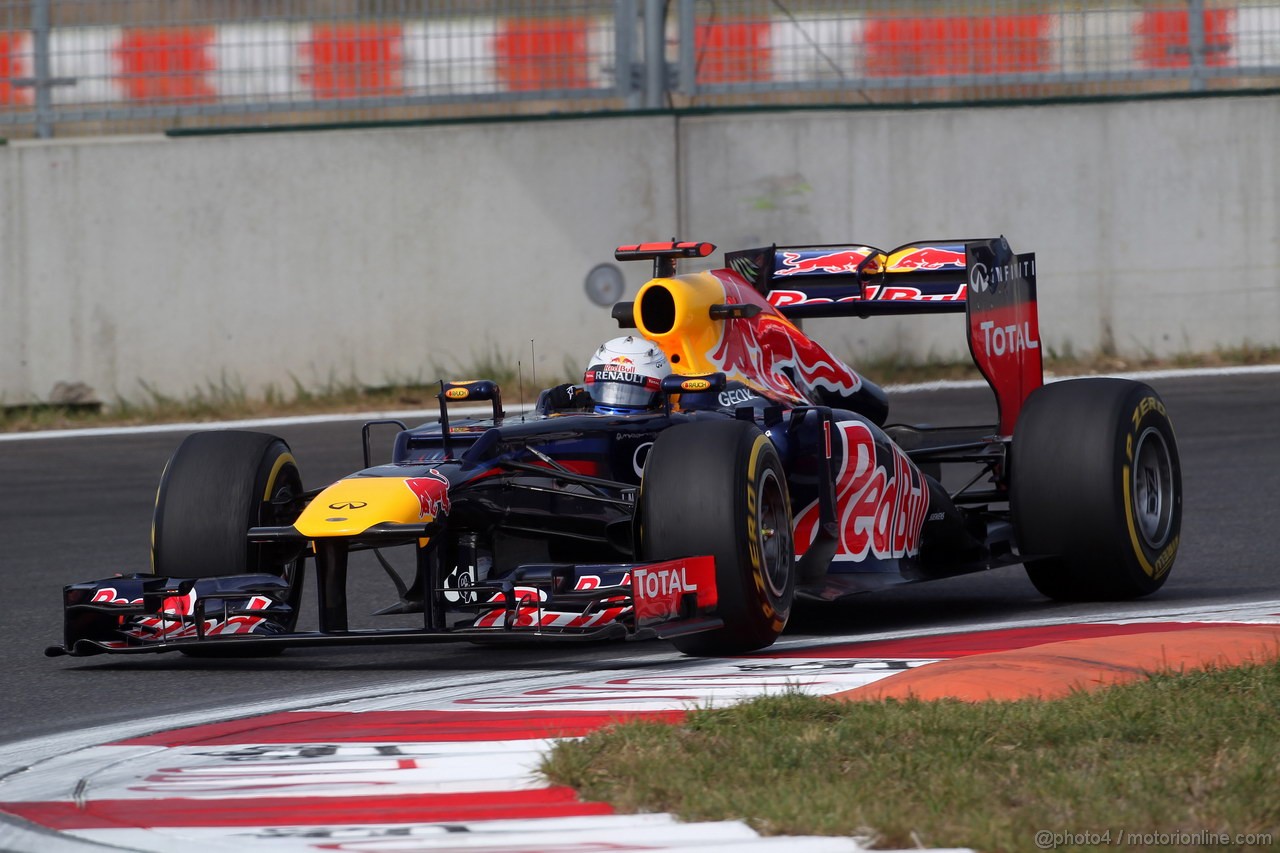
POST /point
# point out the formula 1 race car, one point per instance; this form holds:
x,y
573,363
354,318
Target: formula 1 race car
x,y
766,471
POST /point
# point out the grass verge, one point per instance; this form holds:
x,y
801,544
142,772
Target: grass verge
x,y
217,403
1176,754
228,400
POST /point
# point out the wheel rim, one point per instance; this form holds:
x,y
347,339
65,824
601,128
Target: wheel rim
x,y
283,508
1151,481
775,534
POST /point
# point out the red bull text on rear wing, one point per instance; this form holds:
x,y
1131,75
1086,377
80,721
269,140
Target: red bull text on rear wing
x,y
926,276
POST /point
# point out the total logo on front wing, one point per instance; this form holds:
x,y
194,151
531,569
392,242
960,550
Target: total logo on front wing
x,y
657,592
660,589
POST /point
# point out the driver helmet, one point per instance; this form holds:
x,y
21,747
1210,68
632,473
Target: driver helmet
x,y
625,375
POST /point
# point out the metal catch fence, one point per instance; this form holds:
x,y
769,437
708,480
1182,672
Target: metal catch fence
x,y
115,66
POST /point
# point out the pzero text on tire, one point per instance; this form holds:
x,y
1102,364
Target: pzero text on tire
x,y
717,487
1096,489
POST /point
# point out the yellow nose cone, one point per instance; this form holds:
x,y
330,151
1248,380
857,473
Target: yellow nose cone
x,y
351,506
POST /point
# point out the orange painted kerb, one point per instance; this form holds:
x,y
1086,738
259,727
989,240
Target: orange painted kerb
x,y
1053,670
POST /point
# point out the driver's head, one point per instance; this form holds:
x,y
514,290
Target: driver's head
x,y
625,375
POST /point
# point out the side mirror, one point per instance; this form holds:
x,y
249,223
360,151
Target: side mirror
x,y
460,392
693,384
625,314
474,390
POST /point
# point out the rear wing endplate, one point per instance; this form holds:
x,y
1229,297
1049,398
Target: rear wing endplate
x,y
1003,324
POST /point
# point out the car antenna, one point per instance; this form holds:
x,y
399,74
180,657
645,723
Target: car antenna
x,y
533,366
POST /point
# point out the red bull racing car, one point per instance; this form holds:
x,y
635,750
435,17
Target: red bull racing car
x,y
767,470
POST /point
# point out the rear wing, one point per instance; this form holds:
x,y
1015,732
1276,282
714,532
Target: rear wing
x,y
995,288
923,277
983,278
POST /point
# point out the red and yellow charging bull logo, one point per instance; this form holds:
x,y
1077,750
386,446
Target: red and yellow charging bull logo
x,y
432,492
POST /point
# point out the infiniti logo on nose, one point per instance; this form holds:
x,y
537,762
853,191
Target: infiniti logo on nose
x,y
348,505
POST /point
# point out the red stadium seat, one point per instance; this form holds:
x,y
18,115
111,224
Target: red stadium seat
x,y
1164,39
14,63
733,52
166,64
542,53
939,46
354,60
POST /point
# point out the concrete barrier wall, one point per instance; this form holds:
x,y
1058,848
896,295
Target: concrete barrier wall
x,y
1156,225
392,255
325,258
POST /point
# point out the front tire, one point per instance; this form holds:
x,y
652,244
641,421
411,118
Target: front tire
x,y
717,487
215,487
1096,489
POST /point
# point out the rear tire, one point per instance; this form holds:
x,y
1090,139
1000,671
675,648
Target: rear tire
x,y
1096,490
214,488
717,487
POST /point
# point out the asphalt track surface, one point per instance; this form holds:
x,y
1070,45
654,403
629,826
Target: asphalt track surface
x,y
76,509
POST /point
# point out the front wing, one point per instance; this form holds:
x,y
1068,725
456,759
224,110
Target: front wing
x,y
141,613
